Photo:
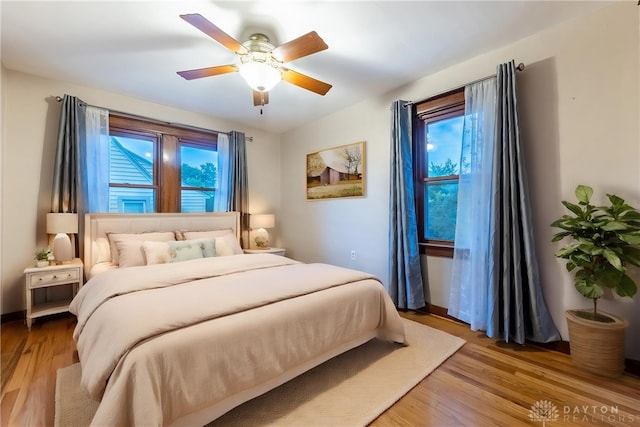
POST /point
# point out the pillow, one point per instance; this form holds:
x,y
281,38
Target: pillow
x,y
188,234
185,250
156,252
155,237
208,247
130,253
227,235
223,248
102,249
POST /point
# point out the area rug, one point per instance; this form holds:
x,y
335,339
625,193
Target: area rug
x,y
349,390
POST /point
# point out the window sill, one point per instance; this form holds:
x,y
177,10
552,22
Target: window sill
x,y
436,250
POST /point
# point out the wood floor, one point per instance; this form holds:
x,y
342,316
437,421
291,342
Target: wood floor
x,y
486,383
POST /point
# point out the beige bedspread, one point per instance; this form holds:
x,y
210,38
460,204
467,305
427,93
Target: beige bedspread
x,y
172,340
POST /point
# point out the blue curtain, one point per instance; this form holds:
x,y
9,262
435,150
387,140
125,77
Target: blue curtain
x,y
238,191
405,275
517,309
495,282
80,182
66,173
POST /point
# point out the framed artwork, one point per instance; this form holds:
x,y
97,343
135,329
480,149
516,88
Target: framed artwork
x,y
336,172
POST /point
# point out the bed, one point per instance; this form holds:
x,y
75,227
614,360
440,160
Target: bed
x,y
181,343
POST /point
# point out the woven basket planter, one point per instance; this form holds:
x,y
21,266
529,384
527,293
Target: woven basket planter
x,y
595,346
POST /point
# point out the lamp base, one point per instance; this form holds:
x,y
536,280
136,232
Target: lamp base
x,y
261,239
62,250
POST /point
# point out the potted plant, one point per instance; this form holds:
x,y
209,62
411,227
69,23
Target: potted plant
x,y
605,241
42,257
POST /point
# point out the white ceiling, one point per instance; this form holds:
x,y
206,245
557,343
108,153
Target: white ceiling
x,y
136,47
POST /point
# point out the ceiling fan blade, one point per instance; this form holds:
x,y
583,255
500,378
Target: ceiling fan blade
x,y
305,82
260,98
297,48
207,72
201,23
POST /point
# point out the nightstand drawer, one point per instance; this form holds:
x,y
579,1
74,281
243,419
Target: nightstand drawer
x,y
51,277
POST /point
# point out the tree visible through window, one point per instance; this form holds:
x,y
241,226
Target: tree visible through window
x,y
438,128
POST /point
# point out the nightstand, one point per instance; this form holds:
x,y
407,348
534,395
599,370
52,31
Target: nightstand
x,y
43,279
275,251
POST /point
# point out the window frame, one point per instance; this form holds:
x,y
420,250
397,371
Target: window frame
x,y
441,107
167,160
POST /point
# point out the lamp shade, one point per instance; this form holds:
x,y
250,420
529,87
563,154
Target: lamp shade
x,y
262,221
62,223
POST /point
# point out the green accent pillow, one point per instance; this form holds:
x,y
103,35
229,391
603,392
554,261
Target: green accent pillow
x,y
185,250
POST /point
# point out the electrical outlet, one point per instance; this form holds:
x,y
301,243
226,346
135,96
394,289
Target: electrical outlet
x,y
353,255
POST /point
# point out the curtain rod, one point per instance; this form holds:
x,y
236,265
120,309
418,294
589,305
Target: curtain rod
x,y
519,67
148,119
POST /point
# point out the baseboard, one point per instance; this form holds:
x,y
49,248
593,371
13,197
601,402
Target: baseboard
x,y
631,366
10,317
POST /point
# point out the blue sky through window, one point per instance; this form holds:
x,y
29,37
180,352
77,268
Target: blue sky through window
x,y
444,141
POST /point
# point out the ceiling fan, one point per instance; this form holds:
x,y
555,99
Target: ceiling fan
x,y
261,63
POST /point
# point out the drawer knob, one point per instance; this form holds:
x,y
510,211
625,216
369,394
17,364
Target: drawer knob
x,y
40,279
55,277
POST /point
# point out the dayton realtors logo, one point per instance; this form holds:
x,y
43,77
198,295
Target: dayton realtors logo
x,y
546,411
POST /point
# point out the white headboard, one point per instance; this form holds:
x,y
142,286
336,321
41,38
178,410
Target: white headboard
x,y
99,224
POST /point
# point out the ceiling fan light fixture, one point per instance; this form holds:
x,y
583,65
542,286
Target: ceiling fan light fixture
x,y
261,76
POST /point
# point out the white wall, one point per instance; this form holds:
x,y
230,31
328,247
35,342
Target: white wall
x,y
578,100
29,130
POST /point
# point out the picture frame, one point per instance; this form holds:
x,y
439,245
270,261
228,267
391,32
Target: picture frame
x,y
337,172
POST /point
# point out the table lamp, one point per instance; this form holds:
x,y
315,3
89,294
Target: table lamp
x,y
259,223
62,224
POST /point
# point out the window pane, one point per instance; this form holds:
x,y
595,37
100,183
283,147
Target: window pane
x,y
197,201
444,143
131,200
199,167
131,160
440,215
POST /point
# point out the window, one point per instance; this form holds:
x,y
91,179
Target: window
x,y
198,177
157,167
438,124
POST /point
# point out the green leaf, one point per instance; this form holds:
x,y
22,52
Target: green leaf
x,y
577,210
626,287
559,236
613,259
632,255
584,193
615,200
608,276
581,259
631,238
589,289
570,266
631,215
614,226
588,247
567,250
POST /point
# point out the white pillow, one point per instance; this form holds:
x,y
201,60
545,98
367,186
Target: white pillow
x,y
156,252
223,248
130,253
102,249
230,241
155,237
